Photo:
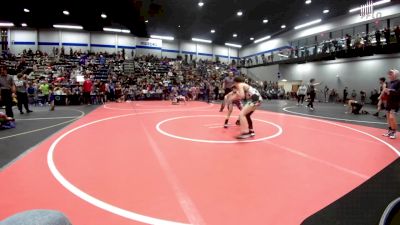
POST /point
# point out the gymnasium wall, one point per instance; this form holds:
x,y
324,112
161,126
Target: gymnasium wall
x,y
358,73
170,49
269,73
23,39
100,42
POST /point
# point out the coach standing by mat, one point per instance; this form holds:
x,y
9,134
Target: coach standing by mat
x,y
7,88
227,85
393,103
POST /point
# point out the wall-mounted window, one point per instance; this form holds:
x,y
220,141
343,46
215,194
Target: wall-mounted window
x,y
337,34
361,29
349,31
311,41
377,25
395,22
323,37
302,42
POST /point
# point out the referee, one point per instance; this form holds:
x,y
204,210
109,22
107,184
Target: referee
x,y
7,88
227,85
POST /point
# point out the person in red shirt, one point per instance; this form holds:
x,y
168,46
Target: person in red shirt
x,y
87,88
103,92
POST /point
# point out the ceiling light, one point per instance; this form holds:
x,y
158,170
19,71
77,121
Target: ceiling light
x,y
283,26
66,12
24,24
201,4
355,9
239,13
234,35
201,40
284,80
103,16
308,24
326,11
374,4
116,30
26,10
265,21
68,27
308,2
6,24
146,21
262,39
179,26
381,2
162,37
251,39
233,45
212,31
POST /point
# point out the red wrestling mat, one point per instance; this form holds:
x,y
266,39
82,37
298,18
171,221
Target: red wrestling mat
x,y
154,163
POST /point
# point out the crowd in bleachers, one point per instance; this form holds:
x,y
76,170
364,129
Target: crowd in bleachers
x,y
361,44
79,77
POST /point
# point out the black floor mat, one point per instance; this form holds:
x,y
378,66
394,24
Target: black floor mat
x,y
365,204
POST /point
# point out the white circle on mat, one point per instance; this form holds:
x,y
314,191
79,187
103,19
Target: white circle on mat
x,y
158,127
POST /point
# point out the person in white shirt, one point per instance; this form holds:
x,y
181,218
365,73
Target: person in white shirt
x,y
301,93
22,96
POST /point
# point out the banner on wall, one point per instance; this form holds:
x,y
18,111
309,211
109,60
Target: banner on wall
x,y
149,42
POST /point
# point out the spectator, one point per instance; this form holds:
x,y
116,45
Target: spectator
x,y
359,43
374,97
387,35
44,89
354,95
348,41
42,217
22,96
301,93
32,93
378,37
326,90
345,94
397,34
363,96
86,89
333,96
7,88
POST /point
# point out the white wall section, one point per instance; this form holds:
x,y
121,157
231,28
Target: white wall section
x,y
23,39
75,41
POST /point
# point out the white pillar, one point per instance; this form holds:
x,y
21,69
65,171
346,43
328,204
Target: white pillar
x,y
179,47
161,48
116,43
229,55
90,42
10,44
197,52
212,52
60,39
37,39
